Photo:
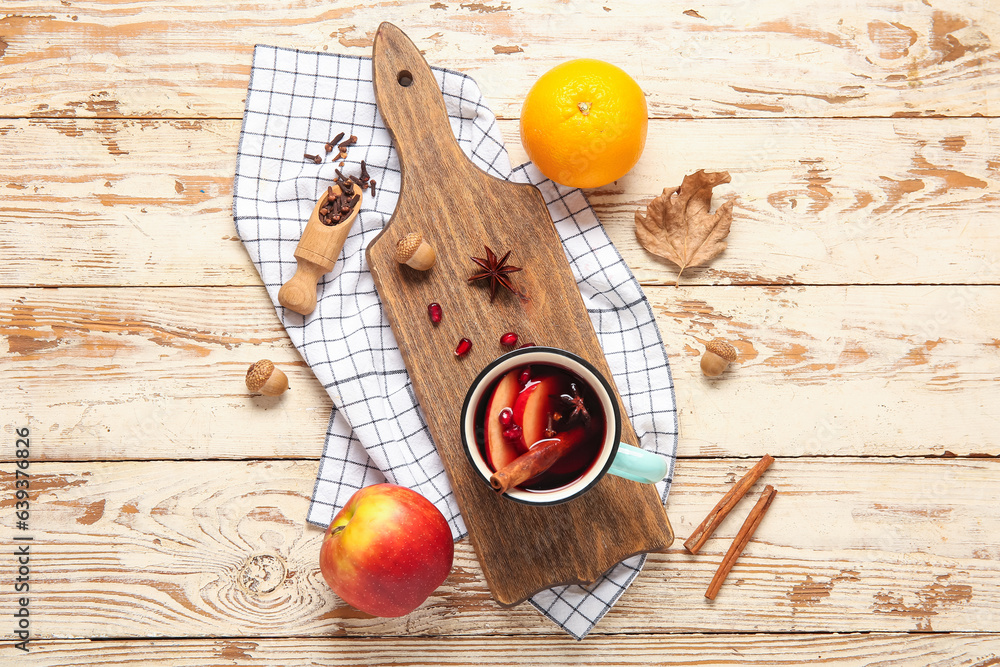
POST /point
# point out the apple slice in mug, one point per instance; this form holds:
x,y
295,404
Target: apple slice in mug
x,y
533,408
499,450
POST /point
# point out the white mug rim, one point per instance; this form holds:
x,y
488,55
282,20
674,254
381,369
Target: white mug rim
x,y
575,364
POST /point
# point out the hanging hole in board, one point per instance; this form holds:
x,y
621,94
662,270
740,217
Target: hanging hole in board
x,y
404,78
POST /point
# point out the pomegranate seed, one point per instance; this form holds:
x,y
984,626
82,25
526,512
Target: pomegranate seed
x,y
508,339
525,376
527,345
434,312
506,417
512,432
464,346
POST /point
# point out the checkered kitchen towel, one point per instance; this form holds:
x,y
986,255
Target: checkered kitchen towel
x,y
298,100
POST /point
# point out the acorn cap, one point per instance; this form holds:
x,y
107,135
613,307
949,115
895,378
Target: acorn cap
x,y
407,246
258,373
722,348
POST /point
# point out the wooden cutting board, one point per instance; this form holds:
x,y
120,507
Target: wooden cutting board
x,y
460,209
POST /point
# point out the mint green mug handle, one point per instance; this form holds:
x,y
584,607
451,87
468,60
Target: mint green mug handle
x,y
638,465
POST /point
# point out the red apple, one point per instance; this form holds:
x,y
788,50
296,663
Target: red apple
x,y
533,408
387,550
499,450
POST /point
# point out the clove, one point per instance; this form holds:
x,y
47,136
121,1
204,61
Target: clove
x,y
349,142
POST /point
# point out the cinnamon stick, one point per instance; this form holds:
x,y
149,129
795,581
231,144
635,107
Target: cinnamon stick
x,y
542,455
701,534
740,542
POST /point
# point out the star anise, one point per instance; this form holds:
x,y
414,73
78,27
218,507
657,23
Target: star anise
x,y
496,270
574,402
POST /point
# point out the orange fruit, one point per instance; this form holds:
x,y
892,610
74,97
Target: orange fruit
x,y
583,123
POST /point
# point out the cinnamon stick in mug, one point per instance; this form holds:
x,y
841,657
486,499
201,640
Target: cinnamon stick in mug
x,y
542,455
704,531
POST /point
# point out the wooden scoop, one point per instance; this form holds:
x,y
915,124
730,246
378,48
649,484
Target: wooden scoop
x,y
316,254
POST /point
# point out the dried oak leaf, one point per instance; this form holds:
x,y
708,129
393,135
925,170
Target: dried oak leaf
x,y
679,226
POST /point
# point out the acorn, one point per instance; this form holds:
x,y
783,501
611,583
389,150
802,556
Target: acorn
x,y
415,252
263,377
718,355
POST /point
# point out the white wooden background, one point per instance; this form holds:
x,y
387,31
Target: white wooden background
x,y
861,286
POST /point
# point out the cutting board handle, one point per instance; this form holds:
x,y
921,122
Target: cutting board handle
x,y
410,102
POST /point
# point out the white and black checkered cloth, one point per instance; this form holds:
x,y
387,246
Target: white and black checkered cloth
x,y
296,102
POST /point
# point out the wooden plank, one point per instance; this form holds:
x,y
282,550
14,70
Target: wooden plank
x,y
110,201
158,373
823,201
820,201
735,58
153,373
215,548
836,370
834,650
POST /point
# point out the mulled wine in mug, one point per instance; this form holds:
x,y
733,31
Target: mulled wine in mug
x,y
542,426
